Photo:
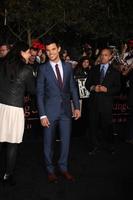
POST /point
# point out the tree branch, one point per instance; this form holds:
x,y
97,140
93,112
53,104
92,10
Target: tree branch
x,y
47,31
11,30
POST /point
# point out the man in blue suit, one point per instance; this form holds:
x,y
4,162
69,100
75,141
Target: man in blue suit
x,y
55,90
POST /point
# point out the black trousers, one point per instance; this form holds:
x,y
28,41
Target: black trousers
x,y
100,129
130,124
11,155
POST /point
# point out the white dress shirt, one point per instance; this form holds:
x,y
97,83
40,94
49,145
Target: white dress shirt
x,y
59,66
105,67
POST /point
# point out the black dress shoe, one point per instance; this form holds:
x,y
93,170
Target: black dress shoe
x,y
94,151
8,180
111,150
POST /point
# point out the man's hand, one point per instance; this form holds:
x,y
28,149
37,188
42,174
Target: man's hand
x,y
76,114
97,88
103,89
100,88
45,122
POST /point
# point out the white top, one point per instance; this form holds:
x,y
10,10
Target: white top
x,y
59,66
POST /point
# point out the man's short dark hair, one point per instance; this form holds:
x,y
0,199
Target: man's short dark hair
x,y
107,48
50,40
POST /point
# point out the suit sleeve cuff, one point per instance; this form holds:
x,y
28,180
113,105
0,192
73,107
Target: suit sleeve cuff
x,y
92,88
44,116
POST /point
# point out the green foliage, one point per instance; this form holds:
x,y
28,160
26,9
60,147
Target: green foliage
x,y
97,17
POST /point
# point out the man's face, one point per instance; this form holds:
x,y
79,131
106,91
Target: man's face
x,y
3,50
105,56
52,51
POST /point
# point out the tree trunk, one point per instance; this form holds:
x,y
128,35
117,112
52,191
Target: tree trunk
x,y
29,37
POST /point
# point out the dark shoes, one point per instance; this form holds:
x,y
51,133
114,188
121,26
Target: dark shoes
x,y
130,141
8,180
111,150
94,151
68,176
52,178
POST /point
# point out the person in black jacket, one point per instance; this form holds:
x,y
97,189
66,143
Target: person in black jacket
x,y
103,82
83,67
130,109
16,79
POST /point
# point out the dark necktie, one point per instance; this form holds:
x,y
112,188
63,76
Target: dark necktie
x,y
59,76
102,74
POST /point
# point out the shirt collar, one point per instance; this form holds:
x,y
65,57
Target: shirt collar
x,y
53,63
105,65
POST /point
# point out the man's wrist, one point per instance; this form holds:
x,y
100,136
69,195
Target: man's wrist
x,y
42,117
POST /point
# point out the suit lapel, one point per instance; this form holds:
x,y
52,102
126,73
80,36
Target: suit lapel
x,y
52,74
107,72
98,73
64,72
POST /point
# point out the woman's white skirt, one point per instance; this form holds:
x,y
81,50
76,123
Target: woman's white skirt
x,y
11,124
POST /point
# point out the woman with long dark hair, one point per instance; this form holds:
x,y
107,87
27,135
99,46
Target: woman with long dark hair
x,y
16,79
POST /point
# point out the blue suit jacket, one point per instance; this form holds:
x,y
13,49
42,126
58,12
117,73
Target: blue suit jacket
x,y
50,98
